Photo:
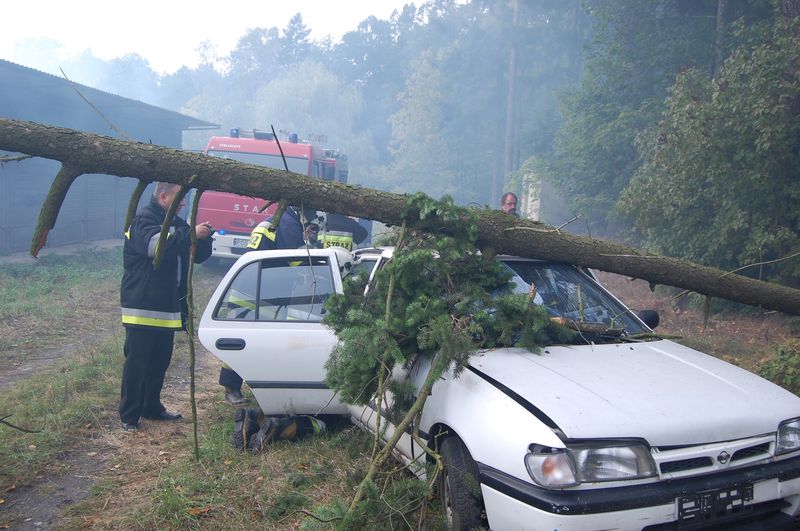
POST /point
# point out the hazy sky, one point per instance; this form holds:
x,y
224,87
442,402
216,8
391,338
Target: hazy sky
x,y
167,33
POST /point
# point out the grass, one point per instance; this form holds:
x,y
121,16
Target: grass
x,y
148,479
58,301
62,405
227,488
43,303
42,287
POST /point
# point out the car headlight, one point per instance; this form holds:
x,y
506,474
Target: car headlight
x,y
589,463
788,437
550,467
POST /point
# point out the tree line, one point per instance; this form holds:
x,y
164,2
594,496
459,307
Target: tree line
x,y
669,124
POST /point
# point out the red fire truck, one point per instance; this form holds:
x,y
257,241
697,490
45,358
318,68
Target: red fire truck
x,y
234,216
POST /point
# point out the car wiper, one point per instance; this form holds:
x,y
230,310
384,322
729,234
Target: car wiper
x,y
592,332
592,328
644,336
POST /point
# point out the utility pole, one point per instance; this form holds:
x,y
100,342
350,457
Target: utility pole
x,y
508,165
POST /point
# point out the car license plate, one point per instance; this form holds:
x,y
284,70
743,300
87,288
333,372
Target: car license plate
x,y
240,242
711,505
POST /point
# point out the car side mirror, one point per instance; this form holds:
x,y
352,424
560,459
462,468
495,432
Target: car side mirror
x,y
649,317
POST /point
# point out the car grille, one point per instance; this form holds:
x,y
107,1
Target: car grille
x,y
752,451
672,467
674,462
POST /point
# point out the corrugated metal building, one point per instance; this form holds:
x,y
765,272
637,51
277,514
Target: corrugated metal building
x,y
95,206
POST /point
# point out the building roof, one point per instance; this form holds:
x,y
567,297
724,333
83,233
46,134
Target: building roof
x,y
29,94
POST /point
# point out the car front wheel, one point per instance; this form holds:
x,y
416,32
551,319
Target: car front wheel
x,y
459,488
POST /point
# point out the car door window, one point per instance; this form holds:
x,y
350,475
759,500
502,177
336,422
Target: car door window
x,y
294,289
239,301
278,289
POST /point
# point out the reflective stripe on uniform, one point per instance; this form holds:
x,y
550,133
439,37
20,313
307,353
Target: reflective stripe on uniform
x,y
337,239
153,318
261,230
249,304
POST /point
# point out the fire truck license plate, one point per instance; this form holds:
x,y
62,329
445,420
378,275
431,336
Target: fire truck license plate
x,y
240,242
713,504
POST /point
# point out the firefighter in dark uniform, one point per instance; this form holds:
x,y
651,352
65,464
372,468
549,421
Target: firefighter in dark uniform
x,y
154,304
342,231
294,230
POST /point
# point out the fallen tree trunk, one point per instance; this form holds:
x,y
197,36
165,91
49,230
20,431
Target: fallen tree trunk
x,y
82,153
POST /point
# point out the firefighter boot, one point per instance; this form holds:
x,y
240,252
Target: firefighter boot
x,y
234,397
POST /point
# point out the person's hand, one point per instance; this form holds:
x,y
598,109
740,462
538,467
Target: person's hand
x,y
203,230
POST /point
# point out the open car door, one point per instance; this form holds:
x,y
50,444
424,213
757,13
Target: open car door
x,y
265,321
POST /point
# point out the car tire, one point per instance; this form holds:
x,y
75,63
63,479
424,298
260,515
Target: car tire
x,y
459,487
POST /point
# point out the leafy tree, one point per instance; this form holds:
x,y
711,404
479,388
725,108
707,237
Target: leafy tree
x,y
376,58
720,182
637,49
179,88
296,46
422,158
451,124
255,61
131,76
309,98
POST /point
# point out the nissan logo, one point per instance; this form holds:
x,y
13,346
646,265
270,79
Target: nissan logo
x,y
723,457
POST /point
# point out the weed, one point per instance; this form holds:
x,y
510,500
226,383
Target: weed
x,y
784,368
353,446
227,489
287,504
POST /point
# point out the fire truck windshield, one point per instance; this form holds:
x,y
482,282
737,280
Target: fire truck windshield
x,y
296,164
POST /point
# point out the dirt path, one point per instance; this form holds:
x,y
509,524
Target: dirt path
x,y
22,365
39,505
108,453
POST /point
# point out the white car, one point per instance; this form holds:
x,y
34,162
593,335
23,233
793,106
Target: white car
x,y
620,430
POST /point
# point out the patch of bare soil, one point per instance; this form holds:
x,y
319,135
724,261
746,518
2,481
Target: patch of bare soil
x,y
38,506
31,343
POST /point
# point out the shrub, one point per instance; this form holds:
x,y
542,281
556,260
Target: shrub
x,y
784,368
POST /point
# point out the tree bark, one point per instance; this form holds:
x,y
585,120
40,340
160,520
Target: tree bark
x,y
497,232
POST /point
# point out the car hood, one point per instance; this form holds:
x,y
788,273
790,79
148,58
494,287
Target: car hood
x,y
658,390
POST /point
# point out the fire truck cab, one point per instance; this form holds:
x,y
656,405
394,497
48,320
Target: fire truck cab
x,y
234,216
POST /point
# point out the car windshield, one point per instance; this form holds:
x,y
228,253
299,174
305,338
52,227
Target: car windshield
x,y
569,294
